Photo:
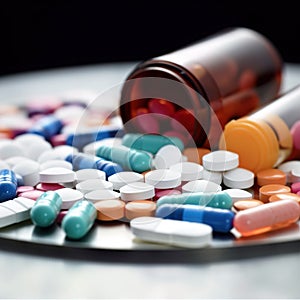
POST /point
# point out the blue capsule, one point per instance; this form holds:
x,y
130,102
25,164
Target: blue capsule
x,y
221,220
86,161
47,127
46,209
79,219
79,140
8,185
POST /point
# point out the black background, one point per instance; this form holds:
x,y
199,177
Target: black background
x,y
48,34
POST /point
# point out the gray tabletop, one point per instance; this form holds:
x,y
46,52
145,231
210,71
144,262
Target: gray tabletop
x,y
36,273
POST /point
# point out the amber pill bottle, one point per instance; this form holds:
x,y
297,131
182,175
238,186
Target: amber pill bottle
x,y
195,91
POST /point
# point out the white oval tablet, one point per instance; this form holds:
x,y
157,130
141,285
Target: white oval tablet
x,y
69,197
215,177
29,170
189,170
56,163
93,184
238,178
57,175
100,195
163,178
171,232
287,168
47,155
34,150
28,138
238,194
220,160
14,160
167,156
9,149
137,191
64,150
122,178
85,174
201,186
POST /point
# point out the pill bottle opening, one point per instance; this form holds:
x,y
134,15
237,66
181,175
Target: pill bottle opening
x,y
161,101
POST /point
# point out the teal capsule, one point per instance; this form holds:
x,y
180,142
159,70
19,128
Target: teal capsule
x,y
46,209
150,142
129,159
79,219
216,200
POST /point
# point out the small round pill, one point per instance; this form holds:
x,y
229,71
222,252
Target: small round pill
x,y
238,194
24,188
284,196
266,191
49,186
57,175
189,171
85,174
271,176
288,166
238,178
220,160
137,191
163,179
295,187
93,184
295,175
99,195
29,170
34,195
142,208
246,204
122,178
56,163
195,154
109,210
215,177
167,156
69,197
201,186
168,192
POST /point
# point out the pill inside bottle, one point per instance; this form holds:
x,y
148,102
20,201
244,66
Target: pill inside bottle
x,y
195,91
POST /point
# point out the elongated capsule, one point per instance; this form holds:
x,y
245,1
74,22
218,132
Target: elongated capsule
x,y
8,185
47,127
79,219
46,209
267,217
221,220
216,200
150,142
129,159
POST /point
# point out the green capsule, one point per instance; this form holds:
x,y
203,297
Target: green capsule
x,y
46,209
150,142
216,200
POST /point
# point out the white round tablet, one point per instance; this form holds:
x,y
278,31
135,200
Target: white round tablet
x,y
57,175
238,194
69,197
238,178
92,147
14,160
85,174
189,170
137,191
201,186
47,155
29,170
163,178
295,175
93,184
122,178
9,149
167,156
287,168
34,150
220,160
28,138
64,150
215,177
100,195
56,163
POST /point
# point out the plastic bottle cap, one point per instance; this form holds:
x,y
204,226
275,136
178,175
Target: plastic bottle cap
x,y
220,160
238,178
163,178
201,186
137,191
253,141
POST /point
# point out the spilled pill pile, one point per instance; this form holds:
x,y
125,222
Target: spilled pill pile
x,y
54,175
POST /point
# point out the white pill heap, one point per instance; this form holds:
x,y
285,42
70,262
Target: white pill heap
x,y
56,175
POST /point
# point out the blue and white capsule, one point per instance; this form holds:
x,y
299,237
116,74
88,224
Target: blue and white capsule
x,y
8,185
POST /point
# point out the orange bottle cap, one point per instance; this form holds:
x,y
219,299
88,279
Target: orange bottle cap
x,y
271,176
254,142
266,191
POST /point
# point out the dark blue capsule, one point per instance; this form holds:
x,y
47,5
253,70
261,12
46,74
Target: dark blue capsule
x,y
8,185
47,127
